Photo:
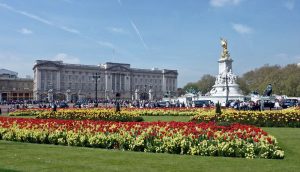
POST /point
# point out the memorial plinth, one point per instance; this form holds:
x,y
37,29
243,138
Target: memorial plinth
x,y
225,87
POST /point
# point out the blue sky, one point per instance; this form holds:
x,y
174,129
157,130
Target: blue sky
x,y
172,34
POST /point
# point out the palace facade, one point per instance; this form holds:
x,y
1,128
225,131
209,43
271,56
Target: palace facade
x,y
13,88
55,80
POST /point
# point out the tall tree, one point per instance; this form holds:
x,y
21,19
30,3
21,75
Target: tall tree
x,y
206,83
285,80
191,88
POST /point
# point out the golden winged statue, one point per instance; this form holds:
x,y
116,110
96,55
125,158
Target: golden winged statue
x,y
225,53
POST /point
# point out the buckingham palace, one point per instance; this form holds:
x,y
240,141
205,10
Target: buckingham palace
x,y
55,80
13,88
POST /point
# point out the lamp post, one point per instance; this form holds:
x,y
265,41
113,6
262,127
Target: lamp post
x,y
96,77
145,92
118,108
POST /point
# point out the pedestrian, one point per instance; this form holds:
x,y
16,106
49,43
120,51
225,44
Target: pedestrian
x,y
54,107
0,111
277,105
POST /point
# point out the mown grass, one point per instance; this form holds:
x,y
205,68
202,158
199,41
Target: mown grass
x,y
15,156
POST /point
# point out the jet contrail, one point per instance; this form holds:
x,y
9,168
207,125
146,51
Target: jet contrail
x,y
138,33
39,19
50,23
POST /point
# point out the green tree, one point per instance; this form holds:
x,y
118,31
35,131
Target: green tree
x,y
285,80
180,91
243,86
191,88
206,83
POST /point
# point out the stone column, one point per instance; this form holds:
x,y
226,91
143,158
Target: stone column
x,y
38,79
68,96
175,84
136,95
106,94
120,85
108,81
50,95
80,97
127,83
37,96
150,94
58,81
164,83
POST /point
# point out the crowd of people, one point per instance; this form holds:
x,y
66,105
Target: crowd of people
x,y
236,104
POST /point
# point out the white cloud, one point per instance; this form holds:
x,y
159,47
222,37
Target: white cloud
x,y
20,63
25,31
289,4
106,44
66,58
116,30
242,29
138,34
221,3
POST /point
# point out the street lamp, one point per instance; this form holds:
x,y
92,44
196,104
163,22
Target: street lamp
x,y
96,77
118,108
143,93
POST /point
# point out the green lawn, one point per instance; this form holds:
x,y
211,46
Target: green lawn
x,y
16,156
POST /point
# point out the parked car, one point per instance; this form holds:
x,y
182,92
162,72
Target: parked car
x,y
163,104
269,104
289,103
77,105
200,103
63,105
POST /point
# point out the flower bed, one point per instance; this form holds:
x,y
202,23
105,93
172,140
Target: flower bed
x,y
205,139
27,112
276,118
96,113
92,114
169,111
